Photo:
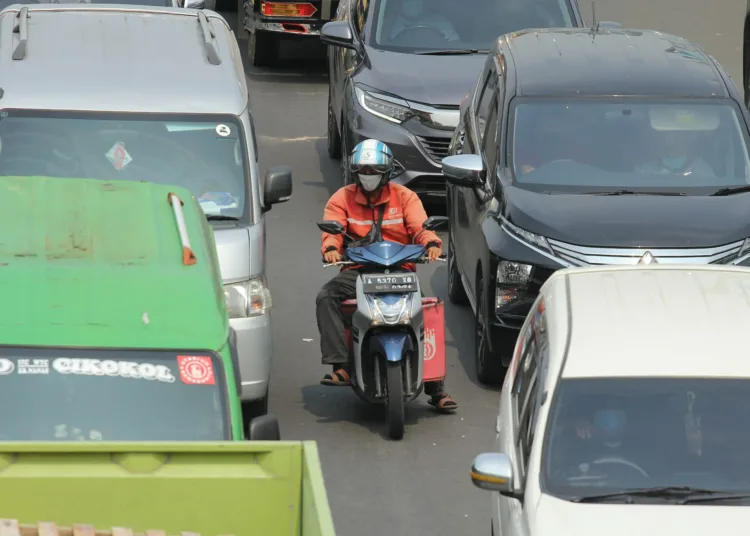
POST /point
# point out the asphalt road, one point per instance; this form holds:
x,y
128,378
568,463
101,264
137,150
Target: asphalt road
x,y
419,486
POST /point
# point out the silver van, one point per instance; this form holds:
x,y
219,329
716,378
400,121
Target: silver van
x,y
138,93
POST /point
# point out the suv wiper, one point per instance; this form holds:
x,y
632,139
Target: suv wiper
x,y
733,190
632,192
683,494
452,52
221,217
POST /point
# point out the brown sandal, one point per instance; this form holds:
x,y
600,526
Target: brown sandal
x,y
339,378
443,403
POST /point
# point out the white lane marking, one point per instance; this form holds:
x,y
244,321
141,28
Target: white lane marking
x,y
293,140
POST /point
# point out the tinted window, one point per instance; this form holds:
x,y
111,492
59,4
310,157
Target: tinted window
x,y
360,14
607,435
111,396
587,145
206,156
419,25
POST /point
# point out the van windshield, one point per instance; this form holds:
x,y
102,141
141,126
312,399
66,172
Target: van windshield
x,y
207,155
111,395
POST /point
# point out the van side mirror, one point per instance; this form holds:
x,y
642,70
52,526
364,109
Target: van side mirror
x,y
338,33
277,187
464,170
331,227
493,471
264,428
434,222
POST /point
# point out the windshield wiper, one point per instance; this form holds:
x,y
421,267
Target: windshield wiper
x,y
632,192
682,495
452,52
221,217
733,190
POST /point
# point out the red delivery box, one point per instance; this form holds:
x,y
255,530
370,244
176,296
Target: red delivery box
x,y
433,310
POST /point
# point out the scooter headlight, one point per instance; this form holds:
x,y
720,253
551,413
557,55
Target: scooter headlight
x,y
390,309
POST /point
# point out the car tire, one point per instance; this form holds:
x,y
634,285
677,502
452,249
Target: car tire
x,y
262,48
334,138
252,409
346,175
456,291
489,367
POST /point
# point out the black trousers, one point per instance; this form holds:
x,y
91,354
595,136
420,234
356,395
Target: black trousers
x,y
331,322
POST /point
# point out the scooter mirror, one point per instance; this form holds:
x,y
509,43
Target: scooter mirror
x,y
434,222
331,227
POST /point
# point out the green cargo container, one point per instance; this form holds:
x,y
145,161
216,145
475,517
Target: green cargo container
x,y
240,488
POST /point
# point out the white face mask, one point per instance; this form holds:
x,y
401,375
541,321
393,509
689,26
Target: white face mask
x,y
370,182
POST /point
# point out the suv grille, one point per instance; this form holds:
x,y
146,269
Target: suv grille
x,y
436,147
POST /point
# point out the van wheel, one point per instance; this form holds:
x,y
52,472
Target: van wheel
x,y
334,139
490,370
252,409
456,290
262,48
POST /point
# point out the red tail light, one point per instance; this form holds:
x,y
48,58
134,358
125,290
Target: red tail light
x,y
287,9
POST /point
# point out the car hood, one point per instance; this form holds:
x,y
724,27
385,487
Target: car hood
x,y
555,516
436,80
631,221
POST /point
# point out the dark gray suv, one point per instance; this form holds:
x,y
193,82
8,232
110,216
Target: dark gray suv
x,y
399,69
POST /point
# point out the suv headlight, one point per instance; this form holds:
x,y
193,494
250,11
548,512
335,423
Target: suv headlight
x,y
247,298
510,279
389,108
390,309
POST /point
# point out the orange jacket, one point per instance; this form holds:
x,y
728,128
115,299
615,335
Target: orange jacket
x,y
402,219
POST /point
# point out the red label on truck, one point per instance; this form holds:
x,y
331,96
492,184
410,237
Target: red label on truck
x,y
196,370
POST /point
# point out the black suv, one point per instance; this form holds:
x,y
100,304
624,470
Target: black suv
x,y
398,70
587,147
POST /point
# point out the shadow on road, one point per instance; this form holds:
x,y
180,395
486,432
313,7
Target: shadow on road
x,y
339,404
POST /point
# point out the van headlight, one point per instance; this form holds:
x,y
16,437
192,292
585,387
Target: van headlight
x,y
247,298
511,280
390,309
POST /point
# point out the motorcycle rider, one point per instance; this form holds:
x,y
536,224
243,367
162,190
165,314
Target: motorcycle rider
x,y
357,207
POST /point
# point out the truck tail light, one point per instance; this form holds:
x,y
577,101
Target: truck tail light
x,y
287,9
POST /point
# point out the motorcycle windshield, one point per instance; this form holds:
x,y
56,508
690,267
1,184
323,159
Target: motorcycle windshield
x,y
386,253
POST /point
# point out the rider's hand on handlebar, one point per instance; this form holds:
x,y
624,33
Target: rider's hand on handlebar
x,y
332,256
433,253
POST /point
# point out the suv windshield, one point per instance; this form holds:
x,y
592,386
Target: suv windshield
x,y
110,395
421,25
593,145
205,155
606,435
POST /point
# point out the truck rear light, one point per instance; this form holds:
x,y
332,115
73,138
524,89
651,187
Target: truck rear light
x,y
287,9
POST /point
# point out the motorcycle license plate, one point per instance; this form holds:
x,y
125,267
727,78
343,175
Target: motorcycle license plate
x,y
389,283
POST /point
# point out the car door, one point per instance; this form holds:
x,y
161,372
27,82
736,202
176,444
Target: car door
x,y
477,199
337,61
526,374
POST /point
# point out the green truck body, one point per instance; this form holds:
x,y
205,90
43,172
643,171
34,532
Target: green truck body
x,y
117,335
214,488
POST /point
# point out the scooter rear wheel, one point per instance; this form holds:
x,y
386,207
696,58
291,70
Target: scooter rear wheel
x,y
395,415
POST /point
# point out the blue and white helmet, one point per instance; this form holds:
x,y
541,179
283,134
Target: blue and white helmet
x,y
371,163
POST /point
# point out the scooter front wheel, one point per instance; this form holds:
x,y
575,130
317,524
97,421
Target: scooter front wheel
x,y
395,415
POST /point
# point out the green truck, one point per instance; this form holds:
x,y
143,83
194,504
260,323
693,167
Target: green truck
x,y
247,488
114,325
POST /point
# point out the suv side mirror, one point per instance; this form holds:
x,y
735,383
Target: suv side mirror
x,y
434,222
331,227
277,187
338,33
264,428
492,471
464,170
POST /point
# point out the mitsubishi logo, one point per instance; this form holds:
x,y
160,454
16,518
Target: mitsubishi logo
x,y
648,259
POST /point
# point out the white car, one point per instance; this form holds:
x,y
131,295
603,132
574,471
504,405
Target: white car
x,y
626,408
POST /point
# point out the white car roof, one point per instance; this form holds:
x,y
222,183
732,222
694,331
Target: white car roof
x,y
650,321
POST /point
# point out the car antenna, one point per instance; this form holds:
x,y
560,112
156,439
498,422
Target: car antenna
x,y
594,22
